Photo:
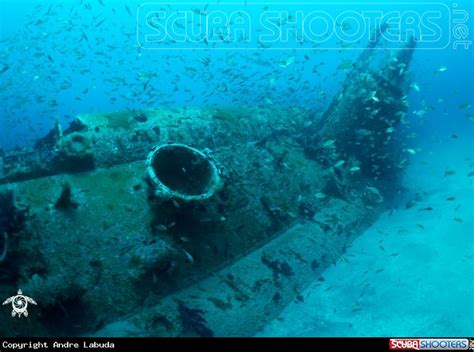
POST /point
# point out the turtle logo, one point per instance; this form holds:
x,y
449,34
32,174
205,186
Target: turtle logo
x,y
19,304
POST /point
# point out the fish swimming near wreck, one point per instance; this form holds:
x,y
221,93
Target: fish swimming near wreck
x,y
3,67
193,189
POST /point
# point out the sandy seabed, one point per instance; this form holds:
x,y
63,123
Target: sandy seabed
x,y
411,273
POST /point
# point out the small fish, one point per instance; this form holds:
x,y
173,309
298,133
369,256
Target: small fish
x,y
268,101
128,10
458,219
373,96
272,81
99,23
415,87
161,228
344,259
390,130
329,143
465,106
451,198
426,209
420,226
379,271
199,12
52,102
346,65
146,76
320,195
449,172
373,190
363,132
4,67
441,69
287,62
420,113
411,151
189,256
49,10
374,112
340,163
354,169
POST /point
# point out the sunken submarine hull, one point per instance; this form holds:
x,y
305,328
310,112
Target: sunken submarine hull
x,y
193,222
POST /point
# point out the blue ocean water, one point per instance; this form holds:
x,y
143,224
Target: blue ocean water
x,y
70,57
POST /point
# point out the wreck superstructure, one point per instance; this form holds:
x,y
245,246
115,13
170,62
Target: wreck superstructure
x,y
198,222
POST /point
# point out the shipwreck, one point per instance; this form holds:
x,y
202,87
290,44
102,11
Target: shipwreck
x,y
197,221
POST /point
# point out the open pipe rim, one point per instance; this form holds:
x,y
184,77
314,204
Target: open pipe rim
x,y
162,190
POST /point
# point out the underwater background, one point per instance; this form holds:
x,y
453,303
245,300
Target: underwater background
x,y
410,274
